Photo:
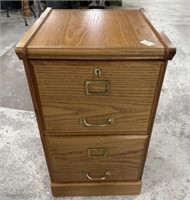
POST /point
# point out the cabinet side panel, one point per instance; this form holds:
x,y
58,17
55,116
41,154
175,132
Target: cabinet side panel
x,y
154,109
37,107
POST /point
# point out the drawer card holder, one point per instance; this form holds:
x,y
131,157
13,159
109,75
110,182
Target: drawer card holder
x,y
97,153
107,174
110,121
97,88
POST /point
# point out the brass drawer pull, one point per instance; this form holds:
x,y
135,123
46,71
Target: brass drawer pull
x,y
98,178
109,122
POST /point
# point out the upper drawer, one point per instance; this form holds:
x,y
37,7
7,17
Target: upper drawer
x,y
103,96
96,158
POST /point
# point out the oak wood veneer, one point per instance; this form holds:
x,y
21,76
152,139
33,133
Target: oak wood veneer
x,y
122,155
61,90
95,89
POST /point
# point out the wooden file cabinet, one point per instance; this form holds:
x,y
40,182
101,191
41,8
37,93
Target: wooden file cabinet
x,y
95,77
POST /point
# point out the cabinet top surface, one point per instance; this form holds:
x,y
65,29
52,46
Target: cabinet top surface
x,y
91,30
94,29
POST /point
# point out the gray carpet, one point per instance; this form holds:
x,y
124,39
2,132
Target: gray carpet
x,y
23,171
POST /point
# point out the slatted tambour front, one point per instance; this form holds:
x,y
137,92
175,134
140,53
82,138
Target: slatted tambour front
x,y
95,77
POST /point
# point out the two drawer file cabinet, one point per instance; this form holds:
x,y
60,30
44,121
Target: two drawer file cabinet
x,y
95,78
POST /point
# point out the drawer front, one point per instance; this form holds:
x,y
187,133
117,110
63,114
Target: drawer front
x,y
76,97
96,158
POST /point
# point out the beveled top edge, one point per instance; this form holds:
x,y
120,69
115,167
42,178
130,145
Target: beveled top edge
x,y
96,54
22,49
170,49
27,37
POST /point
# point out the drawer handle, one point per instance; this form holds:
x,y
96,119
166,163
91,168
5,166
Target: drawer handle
x,y
98,178
109,122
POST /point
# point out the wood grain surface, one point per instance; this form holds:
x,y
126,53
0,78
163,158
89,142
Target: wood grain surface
x,y
94,29
64,102
27,37
98,188
117,109
70,160
95,34
169,47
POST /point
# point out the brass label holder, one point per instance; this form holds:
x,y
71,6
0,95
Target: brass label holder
x,y
104,87
97,152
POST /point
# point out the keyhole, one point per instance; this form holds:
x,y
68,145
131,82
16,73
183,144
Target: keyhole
x,y
97,72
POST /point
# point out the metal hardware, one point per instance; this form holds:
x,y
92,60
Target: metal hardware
x,y
97,153
109,122
106,84
97,72
98,178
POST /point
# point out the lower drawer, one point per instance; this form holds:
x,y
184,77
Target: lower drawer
x,y
96,158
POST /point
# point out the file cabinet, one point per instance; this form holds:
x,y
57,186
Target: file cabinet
x,y
95,78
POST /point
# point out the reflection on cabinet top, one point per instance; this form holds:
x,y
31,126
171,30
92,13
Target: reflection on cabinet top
x,y
94,34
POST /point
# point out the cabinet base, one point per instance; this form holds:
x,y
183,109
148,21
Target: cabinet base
x,y
95,189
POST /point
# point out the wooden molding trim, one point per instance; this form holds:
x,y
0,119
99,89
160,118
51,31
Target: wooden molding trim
x,y
170,48
20,47
49,52
37,108
96,188
154,109
95,54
